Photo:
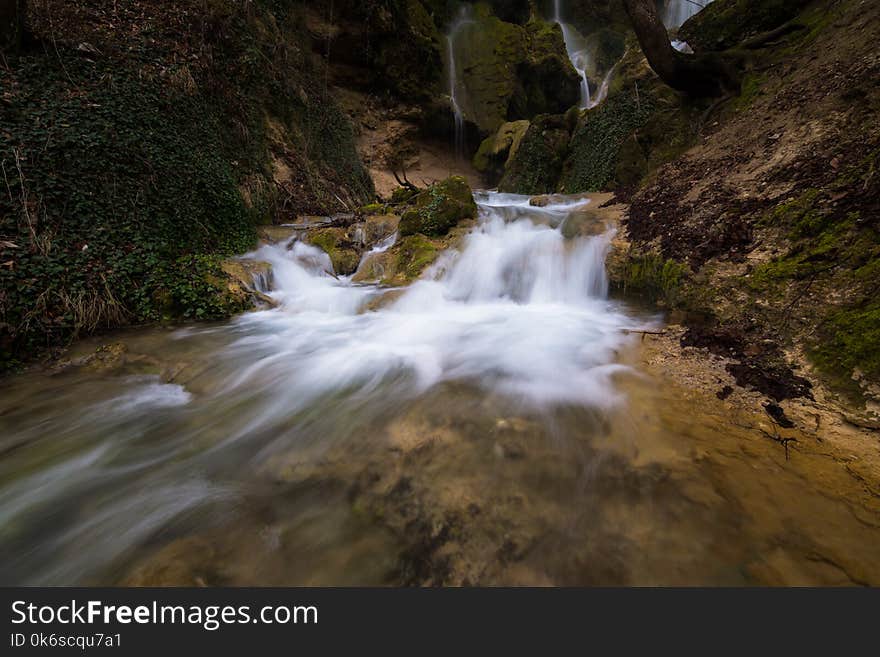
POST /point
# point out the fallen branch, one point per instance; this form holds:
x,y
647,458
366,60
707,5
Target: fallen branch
x,y
405,183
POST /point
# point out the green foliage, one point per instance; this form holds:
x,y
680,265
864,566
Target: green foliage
x,y
597,142
195,287
127,175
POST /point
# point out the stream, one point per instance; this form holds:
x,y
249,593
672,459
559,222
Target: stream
x,y
488,424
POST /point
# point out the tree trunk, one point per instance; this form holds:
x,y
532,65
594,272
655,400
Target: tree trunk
x,y
13,30
708,74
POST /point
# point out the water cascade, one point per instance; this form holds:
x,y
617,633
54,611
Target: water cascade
x,y
454,86
102,465
576,53
674,13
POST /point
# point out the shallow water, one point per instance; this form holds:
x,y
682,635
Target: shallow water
x,y
490,425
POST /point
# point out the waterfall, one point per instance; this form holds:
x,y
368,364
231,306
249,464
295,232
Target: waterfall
x,y
458,128
578,56
674,13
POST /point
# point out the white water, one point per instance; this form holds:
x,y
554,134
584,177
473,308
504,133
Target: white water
x,y
675,13
105,462
576,53
453,88
518,311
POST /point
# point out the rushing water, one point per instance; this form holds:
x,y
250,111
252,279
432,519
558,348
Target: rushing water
x,y
483,425
576,53
95,469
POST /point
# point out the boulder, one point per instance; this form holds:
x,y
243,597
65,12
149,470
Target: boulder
x,y
496,151
338,244
440,207
537,165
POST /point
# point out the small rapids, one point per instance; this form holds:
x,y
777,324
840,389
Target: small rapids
x,y
97,467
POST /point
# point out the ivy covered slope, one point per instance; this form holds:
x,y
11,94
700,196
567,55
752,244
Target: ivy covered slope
x,y
141,142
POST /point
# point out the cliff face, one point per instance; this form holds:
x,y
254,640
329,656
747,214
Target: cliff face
x,y
140,141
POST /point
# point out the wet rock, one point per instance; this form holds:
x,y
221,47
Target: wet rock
x,y
541,201
339,245
271,234
379,227
249,280
498,150
440,207
548,82
513,72
588,222
537,164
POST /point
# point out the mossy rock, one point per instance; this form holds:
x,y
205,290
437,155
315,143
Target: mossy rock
x,y
335,242
597,142
725,23
401,264
414,254
606,48
440,207
537,164
547,81
650,277
498,150
379,227
488,52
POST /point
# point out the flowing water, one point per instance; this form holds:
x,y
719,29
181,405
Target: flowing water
x,y
674,13
454,86
484,425
576,53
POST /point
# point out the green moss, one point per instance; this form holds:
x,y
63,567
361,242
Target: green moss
x,y
488,52
414,254
537,164
333,242
374,208
726,23
495,151
819,241
752,88
439,208
654,278
849,343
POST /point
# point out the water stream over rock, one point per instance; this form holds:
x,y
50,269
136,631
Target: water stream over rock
x,y
485,425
